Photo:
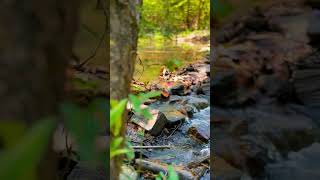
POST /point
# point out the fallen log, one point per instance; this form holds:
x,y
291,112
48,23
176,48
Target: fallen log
x,y
161,167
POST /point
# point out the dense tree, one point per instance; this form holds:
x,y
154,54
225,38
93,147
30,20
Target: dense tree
x,y
172,16
36,43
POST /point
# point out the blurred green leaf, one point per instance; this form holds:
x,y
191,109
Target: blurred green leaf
x,y
115,117
84,127
11,132
20,161
172,174
118,152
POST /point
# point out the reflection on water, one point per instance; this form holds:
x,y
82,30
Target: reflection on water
x,y
156,54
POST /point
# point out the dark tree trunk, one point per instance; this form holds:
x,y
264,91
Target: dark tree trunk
x,y
123,40
36,42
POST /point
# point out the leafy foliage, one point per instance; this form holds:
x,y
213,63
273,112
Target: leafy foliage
x,y
173,16
173,64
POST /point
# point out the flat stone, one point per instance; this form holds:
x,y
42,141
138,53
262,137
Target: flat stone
x,y
155,125
172,114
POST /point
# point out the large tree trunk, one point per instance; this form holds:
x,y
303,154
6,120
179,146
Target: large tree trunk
x,y
123,43
36,38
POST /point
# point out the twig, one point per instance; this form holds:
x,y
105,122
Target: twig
x,y
152,147
174,130
102,38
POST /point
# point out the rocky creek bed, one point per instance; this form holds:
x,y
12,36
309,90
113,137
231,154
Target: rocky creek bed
x,y
266,94
179,133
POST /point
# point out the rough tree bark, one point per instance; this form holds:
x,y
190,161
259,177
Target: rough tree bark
x,y
36,38
123,47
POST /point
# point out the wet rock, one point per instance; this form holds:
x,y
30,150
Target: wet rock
x,y
190,110
224,87
288,132
172,114
248,153
273,86
190,68
200,133
224,171
199,128
300,165
199,103
177,99
314,28
306,80
206,88
128,171
155,125
177,89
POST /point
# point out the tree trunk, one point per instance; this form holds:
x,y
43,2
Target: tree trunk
x,y
201,2
123,43
188,15
36,42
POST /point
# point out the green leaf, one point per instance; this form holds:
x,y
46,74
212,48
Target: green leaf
x,y
146,96
160,176
136,102
115,117
130,154
115,143
118,152
11,132
20,161
172,174
84,127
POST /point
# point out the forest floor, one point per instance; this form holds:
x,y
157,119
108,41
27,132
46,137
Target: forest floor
x,y
266,94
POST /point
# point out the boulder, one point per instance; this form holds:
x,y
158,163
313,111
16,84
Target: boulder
x,y
172,114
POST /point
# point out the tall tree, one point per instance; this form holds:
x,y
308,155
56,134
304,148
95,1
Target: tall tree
x,y
123,47
36,43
